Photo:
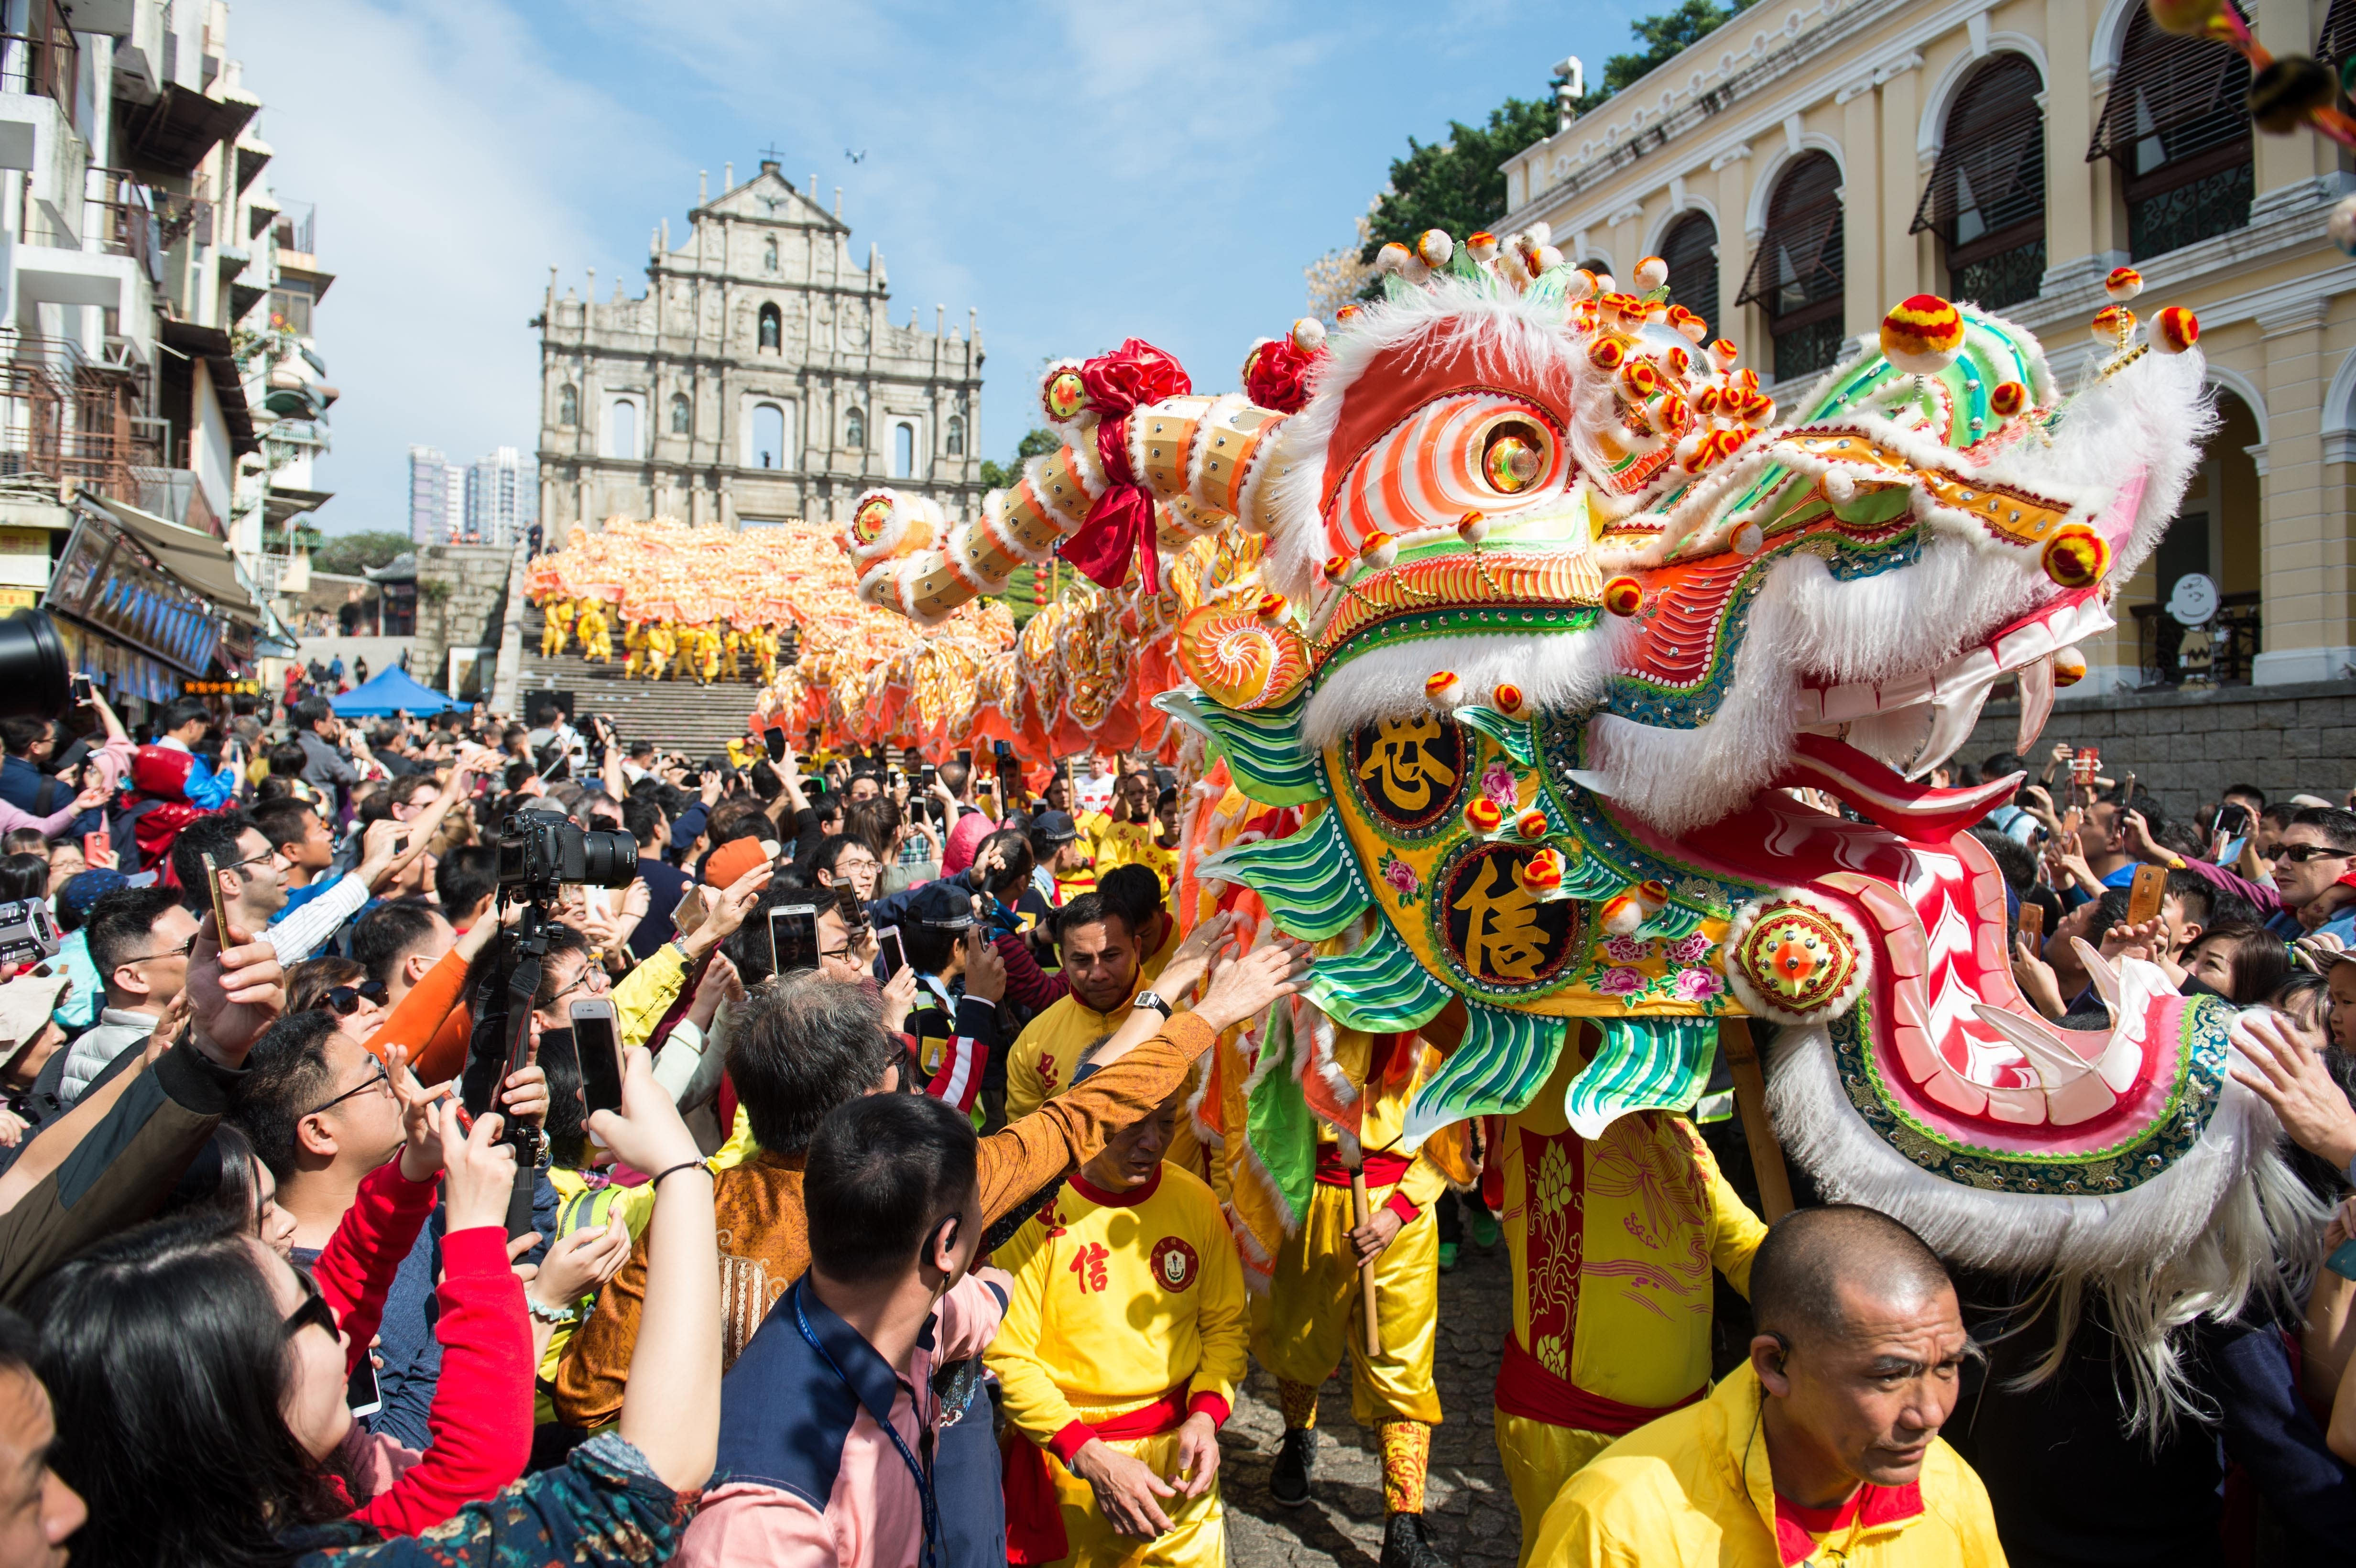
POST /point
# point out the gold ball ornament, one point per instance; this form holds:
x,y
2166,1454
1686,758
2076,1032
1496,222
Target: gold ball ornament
x,y
1923,336
2077,557
2175,329
1624,596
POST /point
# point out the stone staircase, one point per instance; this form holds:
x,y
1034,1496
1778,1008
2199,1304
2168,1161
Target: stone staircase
x,y
676,715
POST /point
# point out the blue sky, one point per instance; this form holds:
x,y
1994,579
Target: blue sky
x,y
1079,172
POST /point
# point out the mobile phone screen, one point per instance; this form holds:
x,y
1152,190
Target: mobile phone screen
x,y
360,1395
2233,850
793,937
593,1040
775,739
2342,1261
896,957
931,774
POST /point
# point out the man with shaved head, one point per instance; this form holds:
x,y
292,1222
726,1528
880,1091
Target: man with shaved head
x,y
1824,1446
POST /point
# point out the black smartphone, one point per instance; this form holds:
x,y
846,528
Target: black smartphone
x,y
774,740
793,938
930,773
401,845
360,1393
965,756
896,957
596,1043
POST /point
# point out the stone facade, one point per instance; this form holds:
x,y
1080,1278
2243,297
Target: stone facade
x,y
1879,86
461,593
757,378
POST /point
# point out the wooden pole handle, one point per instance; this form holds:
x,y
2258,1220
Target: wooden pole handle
x,y
1757,1131
1361,1212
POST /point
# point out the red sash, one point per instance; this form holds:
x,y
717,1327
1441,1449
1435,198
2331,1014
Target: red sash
x,y
1381,1169
1035,1522
1526,1389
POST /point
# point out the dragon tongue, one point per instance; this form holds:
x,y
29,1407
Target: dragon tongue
x,y
1917,811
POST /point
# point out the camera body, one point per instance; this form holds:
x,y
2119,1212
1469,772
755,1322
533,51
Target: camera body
x,y
27,934
538,854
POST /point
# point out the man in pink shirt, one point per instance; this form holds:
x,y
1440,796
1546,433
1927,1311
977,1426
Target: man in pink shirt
x,y
829,1419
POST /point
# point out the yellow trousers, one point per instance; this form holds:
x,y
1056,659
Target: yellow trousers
x,y
1540,1458
1200,1540
553,636
1311,1316
597,648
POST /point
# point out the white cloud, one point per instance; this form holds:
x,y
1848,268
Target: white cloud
x,y
450,164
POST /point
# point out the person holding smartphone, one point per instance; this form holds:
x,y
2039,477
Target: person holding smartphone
x,y
961,981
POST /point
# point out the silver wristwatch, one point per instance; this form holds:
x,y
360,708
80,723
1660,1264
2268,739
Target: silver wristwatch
x,y
1149,999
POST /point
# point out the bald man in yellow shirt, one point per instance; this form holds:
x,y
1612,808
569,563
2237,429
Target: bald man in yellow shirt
x,y
1612,1241
1119,1354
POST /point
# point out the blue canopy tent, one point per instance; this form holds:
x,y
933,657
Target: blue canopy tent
x,y
385,693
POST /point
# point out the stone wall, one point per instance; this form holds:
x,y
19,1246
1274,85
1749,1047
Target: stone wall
x,y
461,591
2186,747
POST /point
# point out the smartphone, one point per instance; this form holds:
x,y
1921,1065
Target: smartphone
x,y
965,756
220,910
2126,792
2032,921
2150,885
401,846
688,913
2342,1261
81,692
930,773
793,938
896,957
598,1044
360,1393
775,739
94,845
2084,763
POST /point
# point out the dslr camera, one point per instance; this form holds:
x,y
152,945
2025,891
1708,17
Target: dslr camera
x,y
28,934
540,853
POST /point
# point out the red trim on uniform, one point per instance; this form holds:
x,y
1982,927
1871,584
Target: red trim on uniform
x,y
1526,1389
1381,1169
1208,1404
1103,1199
1074,1436
1407,1212
1798,1525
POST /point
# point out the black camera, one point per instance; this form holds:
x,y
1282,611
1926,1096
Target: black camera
x,y
538,854
28,934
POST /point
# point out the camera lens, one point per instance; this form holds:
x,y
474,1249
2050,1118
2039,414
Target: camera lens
x,y
34,680
608,859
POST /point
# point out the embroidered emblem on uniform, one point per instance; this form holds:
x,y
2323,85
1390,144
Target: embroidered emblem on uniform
x,y
1174,1262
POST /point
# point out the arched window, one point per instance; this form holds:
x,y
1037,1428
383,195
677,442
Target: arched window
x,y
854,431
2176,126
1691,250
568,405
682,415
1985,200
953,439
903,451
621,429
1796,273
769,257
773,327
768,437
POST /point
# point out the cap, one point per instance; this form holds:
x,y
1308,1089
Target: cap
x,y
26,1003
944,906
84,888
735,858
1054,826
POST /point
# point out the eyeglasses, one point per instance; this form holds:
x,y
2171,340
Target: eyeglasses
x,y
182,950
346,1000
271,854
379,1079
2300,854
592,978
315,1312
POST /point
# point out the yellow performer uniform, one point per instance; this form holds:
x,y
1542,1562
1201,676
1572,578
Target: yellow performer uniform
x,y
1315,1309
1613,1244
1127,1316
707,650
596,639
1040,1062
558,629
663,642
633,644
1125,843
1697,1487
765,649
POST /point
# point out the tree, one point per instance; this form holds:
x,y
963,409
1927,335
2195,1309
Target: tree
x,y
1664,38
1457,185
1034,443
349,554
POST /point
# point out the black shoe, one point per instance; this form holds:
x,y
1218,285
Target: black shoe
x,y
1405,1545
1296,1462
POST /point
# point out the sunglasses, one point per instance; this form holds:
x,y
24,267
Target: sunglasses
x,y
379,1078
315,1312
2300,854
346,1000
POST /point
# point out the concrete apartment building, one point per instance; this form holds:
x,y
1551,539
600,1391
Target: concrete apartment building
x,y
1813,162
757,378
162,399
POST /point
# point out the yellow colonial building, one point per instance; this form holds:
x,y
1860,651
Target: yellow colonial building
x,y
1813,162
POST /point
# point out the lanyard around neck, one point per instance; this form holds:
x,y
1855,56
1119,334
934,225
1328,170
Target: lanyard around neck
x,y
930,1508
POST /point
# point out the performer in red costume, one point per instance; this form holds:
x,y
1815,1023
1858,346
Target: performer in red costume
x,y
171,786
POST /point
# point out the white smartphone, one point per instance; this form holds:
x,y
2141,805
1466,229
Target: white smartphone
x,y
896,957
596,1040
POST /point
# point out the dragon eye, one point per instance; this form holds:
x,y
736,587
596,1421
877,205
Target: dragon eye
x,y
1513,457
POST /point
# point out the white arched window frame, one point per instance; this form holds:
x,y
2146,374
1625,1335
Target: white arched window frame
x,y
769,434
623,425
907,453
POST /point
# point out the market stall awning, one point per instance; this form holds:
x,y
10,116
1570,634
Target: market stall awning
x,y
390,692
200,561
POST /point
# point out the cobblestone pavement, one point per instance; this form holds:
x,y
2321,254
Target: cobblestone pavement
x,y
1469,1511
